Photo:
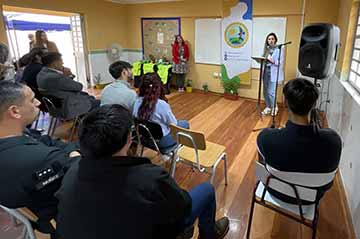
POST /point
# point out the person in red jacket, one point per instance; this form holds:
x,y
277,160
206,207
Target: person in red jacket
x,y
180,52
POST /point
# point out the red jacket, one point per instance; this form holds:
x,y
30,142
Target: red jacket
x,y
175,52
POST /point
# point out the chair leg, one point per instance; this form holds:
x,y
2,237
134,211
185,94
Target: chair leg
x,y
213,169
50,125
73,128
37,120
54,127
173,166
142,150
315,222
225,169
251,214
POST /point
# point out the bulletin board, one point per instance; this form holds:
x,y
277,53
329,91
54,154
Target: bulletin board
x,y
157,36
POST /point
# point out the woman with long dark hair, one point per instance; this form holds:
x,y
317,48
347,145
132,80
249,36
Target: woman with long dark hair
x,y
41,41
271,52
149,106
180,52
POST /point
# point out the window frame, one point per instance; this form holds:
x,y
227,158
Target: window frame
x,y
356,83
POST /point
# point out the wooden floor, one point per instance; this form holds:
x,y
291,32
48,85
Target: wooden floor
x,y
231,124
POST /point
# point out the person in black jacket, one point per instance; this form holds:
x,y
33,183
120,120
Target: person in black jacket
x,y
22,155
300,147
109,194
32,70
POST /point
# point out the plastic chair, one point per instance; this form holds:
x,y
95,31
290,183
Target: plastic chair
x,y
300,186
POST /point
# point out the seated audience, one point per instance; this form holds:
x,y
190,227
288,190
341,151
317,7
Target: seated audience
x,y
54,82
150,106
121,91
32,70
300,146
22,155
109,194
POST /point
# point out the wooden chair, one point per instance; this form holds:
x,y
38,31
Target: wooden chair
x,y
300,186
195,151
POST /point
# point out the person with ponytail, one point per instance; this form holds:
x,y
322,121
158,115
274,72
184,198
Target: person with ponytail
x,y
180,52
149,106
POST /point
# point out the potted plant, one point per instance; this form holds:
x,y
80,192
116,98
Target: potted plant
x,y
205,87
188,86
231,85
98,84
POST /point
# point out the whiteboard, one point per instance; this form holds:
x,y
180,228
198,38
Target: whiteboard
x,y
208,37
262,26
208,41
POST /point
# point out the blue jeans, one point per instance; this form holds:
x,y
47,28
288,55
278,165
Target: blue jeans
x,y
167,141
203,207
269,88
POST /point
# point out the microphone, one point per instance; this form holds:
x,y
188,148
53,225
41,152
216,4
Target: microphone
x,y
284,44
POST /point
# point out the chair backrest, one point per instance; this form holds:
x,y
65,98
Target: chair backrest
x,y
18,215
152,127
51,108
303,179
183,137
285,182
149,133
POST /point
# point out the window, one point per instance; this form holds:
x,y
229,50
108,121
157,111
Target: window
x,y
354,77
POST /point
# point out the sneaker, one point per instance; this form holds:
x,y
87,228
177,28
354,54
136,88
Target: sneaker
x,y
221,229
275,111
266,111
165,157
181,90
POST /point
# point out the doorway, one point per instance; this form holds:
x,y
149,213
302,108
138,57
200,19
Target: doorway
x,y
66,30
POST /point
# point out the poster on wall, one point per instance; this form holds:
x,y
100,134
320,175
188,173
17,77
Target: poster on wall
x,y
236,43
157,36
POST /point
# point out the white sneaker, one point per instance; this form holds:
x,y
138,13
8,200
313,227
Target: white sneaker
x,y
266,111
274,112
165,157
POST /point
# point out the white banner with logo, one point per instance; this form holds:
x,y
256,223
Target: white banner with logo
x,y
237,40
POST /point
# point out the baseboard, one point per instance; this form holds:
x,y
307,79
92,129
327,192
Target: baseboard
x,y
345,206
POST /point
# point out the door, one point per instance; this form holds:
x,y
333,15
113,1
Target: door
x,y
76,23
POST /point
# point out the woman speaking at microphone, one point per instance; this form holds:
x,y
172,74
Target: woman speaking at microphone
x,y
272,66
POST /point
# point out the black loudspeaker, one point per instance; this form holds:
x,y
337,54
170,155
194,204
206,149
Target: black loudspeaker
x,y
319,48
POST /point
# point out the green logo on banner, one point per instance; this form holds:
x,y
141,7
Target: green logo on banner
x,y
236,35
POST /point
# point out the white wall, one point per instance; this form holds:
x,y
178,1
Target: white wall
x,y
99,63
344,116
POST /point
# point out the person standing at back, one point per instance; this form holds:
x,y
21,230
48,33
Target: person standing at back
x,y
180,53
41,41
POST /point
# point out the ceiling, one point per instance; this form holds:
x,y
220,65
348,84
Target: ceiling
x,y
141,1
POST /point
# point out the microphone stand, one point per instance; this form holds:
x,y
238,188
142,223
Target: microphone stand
x,y
276,88
277,81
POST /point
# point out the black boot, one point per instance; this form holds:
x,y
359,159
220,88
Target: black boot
x,y
187,233
220,230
